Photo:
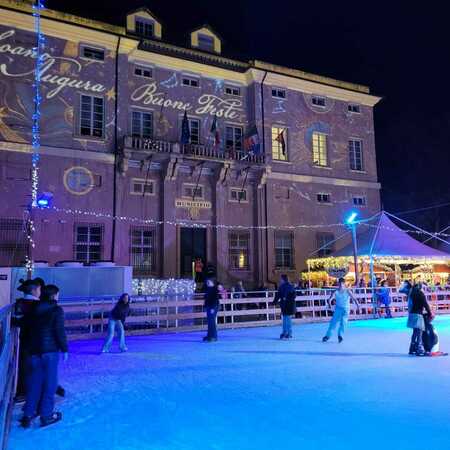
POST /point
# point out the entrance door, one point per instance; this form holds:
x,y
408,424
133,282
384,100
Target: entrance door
x,y
192,246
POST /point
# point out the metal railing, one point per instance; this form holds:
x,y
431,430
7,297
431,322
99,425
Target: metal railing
x,y
192,150
8,370
150,314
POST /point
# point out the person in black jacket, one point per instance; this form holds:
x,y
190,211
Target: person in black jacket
x,y
117,318
212,307
31,290
417,303
47,339
286,297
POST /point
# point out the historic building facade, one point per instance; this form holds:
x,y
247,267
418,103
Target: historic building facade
x,y
113,111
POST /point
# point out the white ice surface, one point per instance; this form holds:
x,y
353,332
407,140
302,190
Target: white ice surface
x,y
252,391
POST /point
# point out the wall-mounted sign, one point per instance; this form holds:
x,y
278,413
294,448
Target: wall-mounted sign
x,y
78,180
200,204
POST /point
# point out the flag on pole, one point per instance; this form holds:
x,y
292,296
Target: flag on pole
x,y
251,141
185,133
215,132
280,139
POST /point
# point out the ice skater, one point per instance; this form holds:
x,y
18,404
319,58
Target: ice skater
x,y
286,297
417,302
342,296
211,306
117,318
384,298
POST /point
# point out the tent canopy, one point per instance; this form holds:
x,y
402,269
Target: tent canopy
x,y
381,238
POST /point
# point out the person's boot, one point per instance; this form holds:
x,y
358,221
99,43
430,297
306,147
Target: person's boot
x,y
420,351
55,417
412,349
282,336
60,391
325,339
340,339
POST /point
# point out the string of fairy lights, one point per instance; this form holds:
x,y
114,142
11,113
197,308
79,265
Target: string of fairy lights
x,y
37,7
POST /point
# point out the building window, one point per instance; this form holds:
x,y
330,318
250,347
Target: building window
x,y
144,28
279,143
194,130
142,124
233,90
14,244
284,250
142,187
318,101
88,242
354,108
359,200
95,54
192,191
325,242
190,81
323,198
92,118
143,71
206,42
233,138
238,195
143,254
320,154
355,154
278,93
239,250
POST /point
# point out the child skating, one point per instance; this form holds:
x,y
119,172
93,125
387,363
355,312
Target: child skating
x,y
342,296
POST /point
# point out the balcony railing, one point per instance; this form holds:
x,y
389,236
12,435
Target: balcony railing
x,y
191,150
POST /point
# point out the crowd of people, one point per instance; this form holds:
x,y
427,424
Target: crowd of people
x,y
43,337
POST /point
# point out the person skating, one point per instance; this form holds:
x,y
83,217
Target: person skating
x,y
47,340
117,318
211,306
286,297
31,290
342,296
417,302
384,298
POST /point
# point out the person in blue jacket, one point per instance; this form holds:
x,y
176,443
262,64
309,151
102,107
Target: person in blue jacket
x,y
286,297
384,298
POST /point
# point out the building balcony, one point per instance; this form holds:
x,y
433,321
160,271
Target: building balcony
x,y
142,147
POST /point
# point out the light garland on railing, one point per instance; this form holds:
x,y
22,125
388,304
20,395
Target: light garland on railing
x,y
163,287
38,5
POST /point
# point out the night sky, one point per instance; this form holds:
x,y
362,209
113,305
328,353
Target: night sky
x,y
400,50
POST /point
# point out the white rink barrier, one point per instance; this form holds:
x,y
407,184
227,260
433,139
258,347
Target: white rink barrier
x,y
89,319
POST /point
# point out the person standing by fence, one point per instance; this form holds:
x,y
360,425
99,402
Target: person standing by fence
x,y
286,297
47,339
384,298
117,318
212,307
341,311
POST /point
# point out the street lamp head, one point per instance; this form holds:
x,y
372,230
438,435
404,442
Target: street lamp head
x,y
351,218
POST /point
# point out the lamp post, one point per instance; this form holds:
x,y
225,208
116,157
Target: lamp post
x,y
351,222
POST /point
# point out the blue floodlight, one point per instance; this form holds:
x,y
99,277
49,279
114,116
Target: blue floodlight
x,y
351,218
44,200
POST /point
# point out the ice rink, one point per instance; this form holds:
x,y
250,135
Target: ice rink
x,y
252,391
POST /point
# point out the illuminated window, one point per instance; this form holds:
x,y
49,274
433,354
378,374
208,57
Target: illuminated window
x,y
279,143
233,138
324,242
142,250
238,245
284,250
320,154
318,101
323,198
355,154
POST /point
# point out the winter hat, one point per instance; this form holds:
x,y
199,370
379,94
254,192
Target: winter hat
x,y
27,286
